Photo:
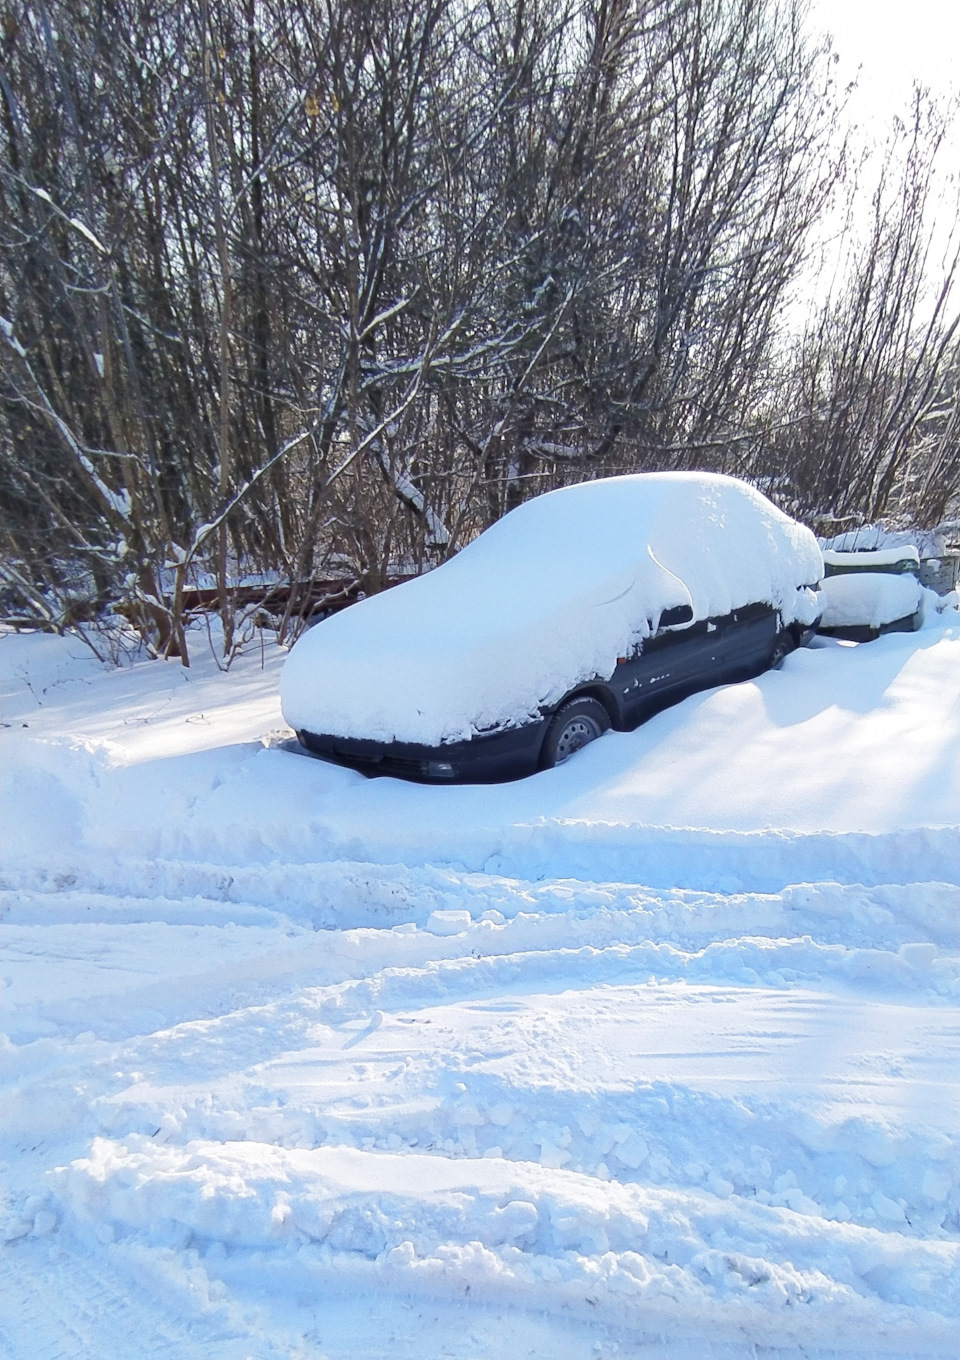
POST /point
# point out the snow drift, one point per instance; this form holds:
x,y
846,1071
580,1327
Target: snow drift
x,y
546,598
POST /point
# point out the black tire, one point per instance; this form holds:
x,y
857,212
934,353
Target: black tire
x,y
573,726
783,645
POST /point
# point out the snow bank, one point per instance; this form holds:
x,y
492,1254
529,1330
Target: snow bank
x,y
868,598
497,1230
548,597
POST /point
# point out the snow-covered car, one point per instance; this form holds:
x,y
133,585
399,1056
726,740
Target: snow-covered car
x,y
583,609
868,592
859,606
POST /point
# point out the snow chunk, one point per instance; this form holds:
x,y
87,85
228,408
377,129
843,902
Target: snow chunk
x,y
886,1209
632,1151
546,598
869,599
449,922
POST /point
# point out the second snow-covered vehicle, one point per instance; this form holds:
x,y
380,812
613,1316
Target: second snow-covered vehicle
x,y
586,608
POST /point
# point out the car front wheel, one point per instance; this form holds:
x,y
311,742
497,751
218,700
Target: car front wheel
x,y
573,726
782,648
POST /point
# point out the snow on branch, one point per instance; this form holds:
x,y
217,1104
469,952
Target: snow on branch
x,y
74,222
117,501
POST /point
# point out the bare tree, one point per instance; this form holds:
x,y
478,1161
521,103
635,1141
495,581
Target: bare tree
x,y
868,405
318,288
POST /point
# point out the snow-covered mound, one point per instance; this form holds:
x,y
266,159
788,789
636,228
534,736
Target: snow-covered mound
x,y
868,599
548,597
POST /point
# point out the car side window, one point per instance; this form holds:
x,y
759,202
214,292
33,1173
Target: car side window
x,y
667,637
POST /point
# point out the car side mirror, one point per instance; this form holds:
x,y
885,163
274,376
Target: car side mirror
x,y
675,617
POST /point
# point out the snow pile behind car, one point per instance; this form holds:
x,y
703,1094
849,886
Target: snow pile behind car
x,y
546,598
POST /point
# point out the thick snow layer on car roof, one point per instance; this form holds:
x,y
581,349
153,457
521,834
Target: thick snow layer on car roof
x,y
545,599
878,557
868,599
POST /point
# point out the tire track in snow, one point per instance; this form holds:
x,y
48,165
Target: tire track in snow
x,y
355,1063
214,971
261,1032
97,1303
344,894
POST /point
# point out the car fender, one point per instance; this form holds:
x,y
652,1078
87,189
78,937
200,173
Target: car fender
x,y
591,689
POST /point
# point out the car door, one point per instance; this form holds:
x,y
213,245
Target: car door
x,y
666,667
746,640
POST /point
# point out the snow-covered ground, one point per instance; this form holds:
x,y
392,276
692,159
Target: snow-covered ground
x,y
654,1053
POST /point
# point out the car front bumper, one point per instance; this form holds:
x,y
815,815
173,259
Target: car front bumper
x,y
807,633
865,632
510,754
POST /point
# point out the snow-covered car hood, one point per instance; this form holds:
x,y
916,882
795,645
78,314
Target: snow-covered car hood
x,y
868,599
546,598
